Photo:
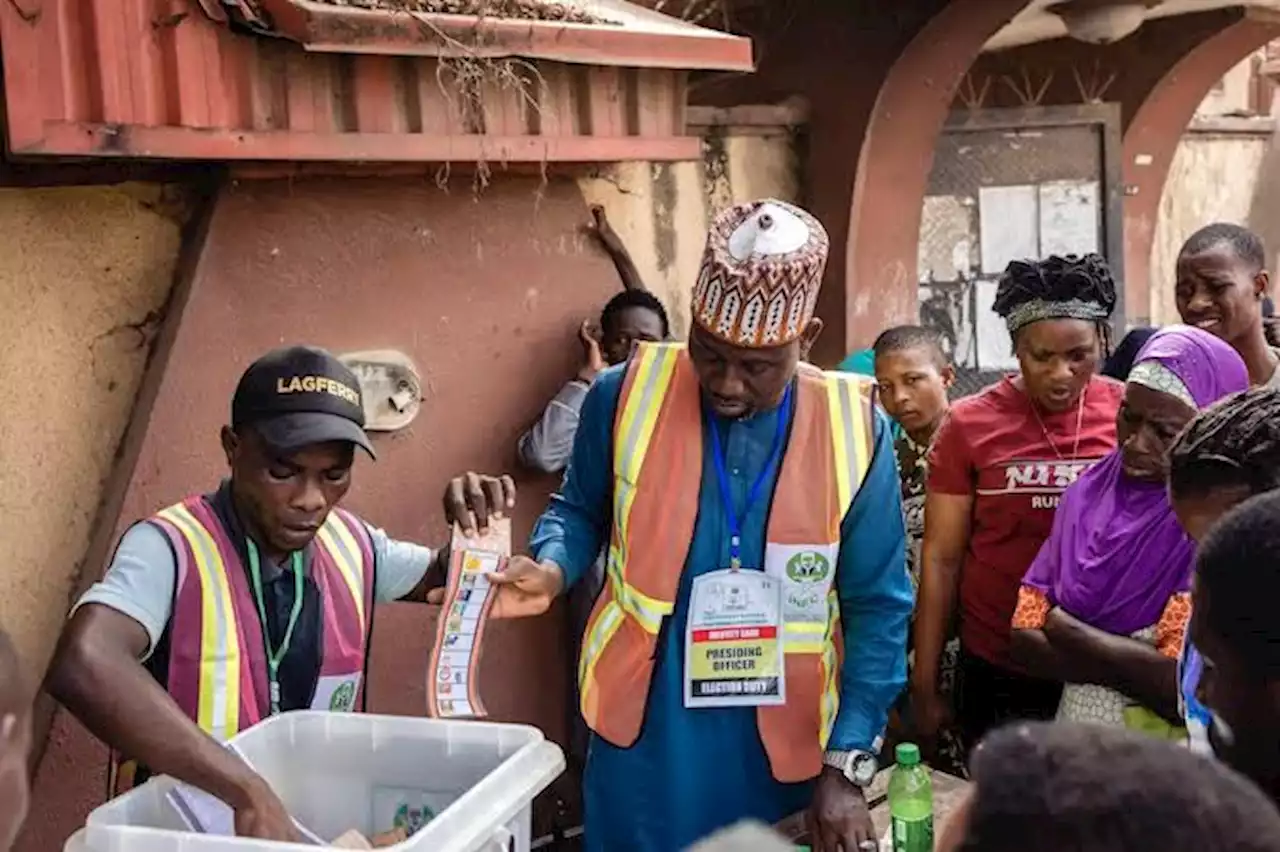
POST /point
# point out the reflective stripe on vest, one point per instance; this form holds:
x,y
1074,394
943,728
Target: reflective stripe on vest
x,y
219,696
660,405
635,429
228,693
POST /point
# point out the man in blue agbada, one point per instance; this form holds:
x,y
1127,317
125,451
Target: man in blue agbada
x,y
751,635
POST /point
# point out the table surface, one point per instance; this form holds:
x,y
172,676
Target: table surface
x,y
947,791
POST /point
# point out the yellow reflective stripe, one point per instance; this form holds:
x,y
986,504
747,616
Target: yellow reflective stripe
x,y
830,702
635,429
655,365
344,549
850,446
830,705
839,443
858,422
601,632
804,637
218,711
646,610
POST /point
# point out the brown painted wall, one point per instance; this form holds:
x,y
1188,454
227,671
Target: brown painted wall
x,y
483,296
84,274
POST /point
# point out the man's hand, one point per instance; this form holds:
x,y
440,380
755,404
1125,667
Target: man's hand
x,y
593,358
473,499
602,230
839,818
929,715
526,587
262,815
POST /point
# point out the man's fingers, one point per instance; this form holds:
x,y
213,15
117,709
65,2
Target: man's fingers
x,y
494,496
508,491
476,501
818,836
516,570
455,506
436,595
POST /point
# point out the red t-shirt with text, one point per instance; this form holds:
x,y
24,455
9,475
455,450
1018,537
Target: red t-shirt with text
x,y
993,447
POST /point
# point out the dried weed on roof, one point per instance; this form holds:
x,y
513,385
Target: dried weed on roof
x,y
528,10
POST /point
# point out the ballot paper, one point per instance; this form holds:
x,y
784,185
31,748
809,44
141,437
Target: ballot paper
x,y
204,813
453,672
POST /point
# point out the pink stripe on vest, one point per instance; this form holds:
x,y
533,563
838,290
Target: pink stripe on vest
x,y
185,691
340,608
344,634
254,692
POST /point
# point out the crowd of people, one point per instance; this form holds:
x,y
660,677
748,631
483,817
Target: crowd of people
x,y
1056,586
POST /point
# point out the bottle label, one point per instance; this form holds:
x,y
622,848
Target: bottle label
x,y
913,835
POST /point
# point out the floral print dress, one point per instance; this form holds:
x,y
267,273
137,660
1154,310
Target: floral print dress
x,y
913,469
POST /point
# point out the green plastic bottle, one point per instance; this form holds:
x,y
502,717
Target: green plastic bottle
x,y
911,802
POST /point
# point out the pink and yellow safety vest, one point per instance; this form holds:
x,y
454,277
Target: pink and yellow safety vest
x,y
217,661
657,477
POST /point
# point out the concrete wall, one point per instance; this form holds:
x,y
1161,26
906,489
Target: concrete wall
x,y
83,279
1215,176
662,210
484,293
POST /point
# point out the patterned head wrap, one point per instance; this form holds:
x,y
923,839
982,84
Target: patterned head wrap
x,y
760,274
1040,309
1158,377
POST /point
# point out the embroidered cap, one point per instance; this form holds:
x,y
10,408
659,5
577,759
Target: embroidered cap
x,y
761,271
299,396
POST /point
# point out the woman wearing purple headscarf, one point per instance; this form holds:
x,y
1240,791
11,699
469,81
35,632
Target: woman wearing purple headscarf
x,y
1104,606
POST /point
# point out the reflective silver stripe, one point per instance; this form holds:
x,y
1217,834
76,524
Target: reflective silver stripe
x,y
847,412
596,638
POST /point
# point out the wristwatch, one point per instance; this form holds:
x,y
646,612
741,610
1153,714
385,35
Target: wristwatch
x,y
859,767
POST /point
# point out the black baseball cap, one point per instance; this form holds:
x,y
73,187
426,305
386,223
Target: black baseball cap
x,y
299,396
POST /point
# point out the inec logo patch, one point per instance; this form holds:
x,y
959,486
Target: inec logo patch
x,y
344,698
808,567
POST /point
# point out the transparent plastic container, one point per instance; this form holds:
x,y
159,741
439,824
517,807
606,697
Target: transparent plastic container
x,y
332,770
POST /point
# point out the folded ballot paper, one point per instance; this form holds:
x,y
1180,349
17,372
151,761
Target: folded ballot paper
x,y
204,813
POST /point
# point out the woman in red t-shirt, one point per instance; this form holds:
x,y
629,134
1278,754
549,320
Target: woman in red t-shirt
x,y
996,471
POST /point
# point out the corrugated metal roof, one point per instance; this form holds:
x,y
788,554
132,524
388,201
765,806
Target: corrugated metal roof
x,y
621,33
159,78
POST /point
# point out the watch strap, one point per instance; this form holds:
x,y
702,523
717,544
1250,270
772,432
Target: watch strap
x,y
846,761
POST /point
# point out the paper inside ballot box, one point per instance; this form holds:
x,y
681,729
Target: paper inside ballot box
x,y
355,840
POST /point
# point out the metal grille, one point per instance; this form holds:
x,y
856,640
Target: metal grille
x,y
950,262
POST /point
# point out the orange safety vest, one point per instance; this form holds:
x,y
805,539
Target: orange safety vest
x,y
657,476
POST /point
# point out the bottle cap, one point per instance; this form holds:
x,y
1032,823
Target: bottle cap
x,y
907,754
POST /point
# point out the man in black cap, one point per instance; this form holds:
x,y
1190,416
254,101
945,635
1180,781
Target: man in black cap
x,y
253,600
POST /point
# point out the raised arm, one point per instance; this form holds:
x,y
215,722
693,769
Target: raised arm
x,y
617,250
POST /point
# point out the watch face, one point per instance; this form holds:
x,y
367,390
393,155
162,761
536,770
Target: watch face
x,y
862,769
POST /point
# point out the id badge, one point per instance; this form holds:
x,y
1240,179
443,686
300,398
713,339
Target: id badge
x,y
337,693
733,643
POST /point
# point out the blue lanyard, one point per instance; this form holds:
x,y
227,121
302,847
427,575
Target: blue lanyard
x,y
722,476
